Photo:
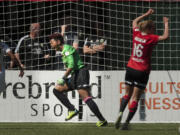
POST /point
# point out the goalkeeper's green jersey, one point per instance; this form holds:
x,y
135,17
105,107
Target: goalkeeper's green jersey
x,y
71,58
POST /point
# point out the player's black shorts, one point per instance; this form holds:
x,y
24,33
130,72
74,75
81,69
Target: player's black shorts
x,y
136,78
79,79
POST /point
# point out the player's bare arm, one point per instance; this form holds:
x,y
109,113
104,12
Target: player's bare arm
x,y
166,29
135,21
75,45
99,47
63,28
88,50
15,60
68,71
18,59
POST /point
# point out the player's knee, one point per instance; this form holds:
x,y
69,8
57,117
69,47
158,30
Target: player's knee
x,y
56,91
135,98
83,94
61,88
85,99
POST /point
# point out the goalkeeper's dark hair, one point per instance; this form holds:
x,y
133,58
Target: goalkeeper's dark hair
x,y
57,36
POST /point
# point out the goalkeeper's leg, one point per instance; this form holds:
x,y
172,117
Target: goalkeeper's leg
x,y
93,107
61,96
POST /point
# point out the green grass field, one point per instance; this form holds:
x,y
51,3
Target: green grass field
x,y
85,129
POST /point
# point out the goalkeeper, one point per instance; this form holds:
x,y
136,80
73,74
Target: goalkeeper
x,y
139,65
79,79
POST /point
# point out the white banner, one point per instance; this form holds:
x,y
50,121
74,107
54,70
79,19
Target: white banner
x,y
30,99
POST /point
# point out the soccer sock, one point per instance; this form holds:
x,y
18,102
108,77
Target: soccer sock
x,y
64,100
124,103
94,108
132,111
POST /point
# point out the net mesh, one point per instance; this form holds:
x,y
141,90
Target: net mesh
x,y
110,21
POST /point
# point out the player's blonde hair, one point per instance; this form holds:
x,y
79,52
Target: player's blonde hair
x,y
146,26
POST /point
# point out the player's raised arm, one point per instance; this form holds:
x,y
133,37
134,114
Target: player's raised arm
x,y
135,21
63,29
166,29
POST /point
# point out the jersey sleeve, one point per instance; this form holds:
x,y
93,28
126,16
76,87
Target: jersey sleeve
x,y
21,41
136,31
155,39
70,61
68,55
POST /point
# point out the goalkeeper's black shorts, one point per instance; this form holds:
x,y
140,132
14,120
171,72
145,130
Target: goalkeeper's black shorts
x,y
136,78
79,79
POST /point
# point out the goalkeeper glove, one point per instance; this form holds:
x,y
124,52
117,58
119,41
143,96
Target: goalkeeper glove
x,y
61,81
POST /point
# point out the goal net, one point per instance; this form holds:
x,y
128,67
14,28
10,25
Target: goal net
x,y
102,24
94,20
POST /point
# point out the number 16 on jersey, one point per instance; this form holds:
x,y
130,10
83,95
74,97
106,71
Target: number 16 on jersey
x,y
138,50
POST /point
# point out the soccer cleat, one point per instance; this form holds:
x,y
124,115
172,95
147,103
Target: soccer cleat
x,y
118,121
125,126
71,114
101,123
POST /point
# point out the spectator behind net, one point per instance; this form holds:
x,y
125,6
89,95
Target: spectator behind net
x,y
31,50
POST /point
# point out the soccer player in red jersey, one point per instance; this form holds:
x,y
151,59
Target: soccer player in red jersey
x,y
139,65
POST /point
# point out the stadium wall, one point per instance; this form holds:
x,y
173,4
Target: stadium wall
x,y
30,99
